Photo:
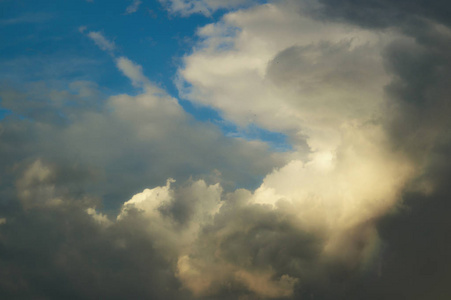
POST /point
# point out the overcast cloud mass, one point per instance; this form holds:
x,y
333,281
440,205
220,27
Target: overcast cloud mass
x,y
290,149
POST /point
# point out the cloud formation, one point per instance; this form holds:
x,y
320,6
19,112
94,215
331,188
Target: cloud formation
x,y
358,209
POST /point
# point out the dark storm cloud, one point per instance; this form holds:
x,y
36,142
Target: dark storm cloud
x,y
418,107
415,263
252,250
421,238
52,247
419,63
385,13
419,92
60,252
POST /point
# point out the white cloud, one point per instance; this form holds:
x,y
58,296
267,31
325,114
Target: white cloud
x,y
148,200
280,70
132,8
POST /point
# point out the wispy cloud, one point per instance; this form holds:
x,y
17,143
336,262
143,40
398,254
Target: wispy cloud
x,y
82,29
132,8
27,18
101,41
205,7
132,71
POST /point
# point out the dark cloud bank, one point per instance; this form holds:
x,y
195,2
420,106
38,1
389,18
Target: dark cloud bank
x,y
51,248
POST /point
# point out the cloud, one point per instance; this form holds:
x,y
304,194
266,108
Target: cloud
x,y
27,18
360,213
132,71
324,82
132,8
101,41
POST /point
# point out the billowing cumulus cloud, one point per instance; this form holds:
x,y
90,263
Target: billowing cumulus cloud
x,y
348,91
130,196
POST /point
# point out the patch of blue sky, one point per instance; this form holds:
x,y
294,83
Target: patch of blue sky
x,y
277,141
4,112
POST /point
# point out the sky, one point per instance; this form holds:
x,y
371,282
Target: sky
x,y
225,149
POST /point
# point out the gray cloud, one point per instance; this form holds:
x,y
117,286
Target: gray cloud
x,y
52,252
418,61
414,264
384,13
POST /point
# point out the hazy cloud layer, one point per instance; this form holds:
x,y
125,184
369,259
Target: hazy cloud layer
x,y
129,196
